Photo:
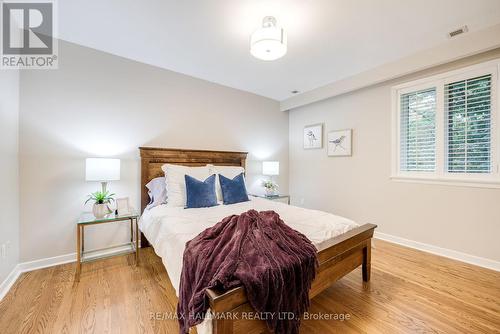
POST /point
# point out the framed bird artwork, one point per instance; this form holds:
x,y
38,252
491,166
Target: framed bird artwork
x,y
340,143
313,136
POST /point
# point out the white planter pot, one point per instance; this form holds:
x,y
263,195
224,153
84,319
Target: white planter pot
x,y
270,192
100,210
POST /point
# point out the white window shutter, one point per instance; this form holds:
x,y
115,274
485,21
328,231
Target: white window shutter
x,y
468,122
418,131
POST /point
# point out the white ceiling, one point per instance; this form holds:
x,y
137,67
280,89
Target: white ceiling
x,y
327,39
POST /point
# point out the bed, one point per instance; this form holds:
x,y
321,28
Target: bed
x,y
342,246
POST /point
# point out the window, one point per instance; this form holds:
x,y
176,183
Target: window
x,y
445,128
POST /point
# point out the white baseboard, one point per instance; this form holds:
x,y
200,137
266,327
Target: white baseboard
x,y
455,255
9,281
54,261
47,262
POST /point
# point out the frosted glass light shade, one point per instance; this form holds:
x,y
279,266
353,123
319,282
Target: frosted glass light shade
x,y
268,42
100,169
271,168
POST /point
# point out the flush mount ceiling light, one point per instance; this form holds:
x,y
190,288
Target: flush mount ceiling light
x,y
268,42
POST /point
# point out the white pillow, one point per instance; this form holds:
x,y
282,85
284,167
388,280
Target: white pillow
x,y
228,171
176,182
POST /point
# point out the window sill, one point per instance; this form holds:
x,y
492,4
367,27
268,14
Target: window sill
x,y
456,182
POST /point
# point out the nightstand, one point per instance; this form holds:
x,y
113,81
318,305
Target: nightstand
x,y
87,219
278,198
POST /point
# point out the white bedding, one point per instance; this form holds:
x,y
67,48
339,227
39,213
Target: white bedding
x,y
169,228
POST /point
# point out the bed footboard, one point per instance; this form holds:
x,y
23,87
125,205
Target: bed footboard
x,y
341,255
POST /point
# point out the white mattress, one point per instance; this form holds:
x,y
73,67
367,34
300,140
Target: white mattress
x,y
169,228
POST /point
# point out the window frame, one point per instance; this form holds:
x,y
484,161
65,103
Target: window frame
x,y
441,175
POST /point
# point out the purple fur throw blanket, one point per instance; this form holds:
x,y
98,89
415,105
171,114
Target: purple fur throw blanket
x,y
274,263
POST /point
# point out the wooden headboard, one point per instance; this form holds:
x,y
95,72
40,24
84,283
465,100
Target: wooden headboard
x,y
153,158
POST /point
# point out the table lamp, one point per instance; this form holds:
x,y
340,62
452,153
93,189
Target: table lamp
x,y
270,168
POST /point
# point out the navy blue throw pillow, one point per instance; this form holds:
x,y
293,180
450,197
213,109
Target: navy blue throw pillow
x,y
233,191
200,194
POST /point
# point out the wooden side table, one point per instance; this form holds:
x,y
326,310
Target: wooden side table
x,y
87,219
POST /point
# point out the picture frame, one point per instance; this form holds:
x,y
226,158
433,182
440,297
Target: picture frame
x,y
313,136
122,206
339,143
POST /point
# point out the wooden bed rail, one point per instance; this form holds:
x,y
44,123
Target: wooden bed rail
x,y
340,256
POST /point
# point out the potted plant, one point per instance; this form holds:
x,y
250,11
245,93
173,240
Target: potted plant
x,y
101,199
270,187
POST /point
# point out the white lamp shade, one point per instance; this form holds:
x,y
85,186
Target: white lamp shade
x,y
100,169
271,168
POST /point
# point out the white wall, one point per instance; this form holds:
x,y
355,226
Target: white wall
x,y
98,104
9,182
358,187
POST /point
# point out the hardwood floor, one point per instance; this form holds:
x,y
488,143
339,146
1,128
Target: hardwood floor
x,y
409,292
